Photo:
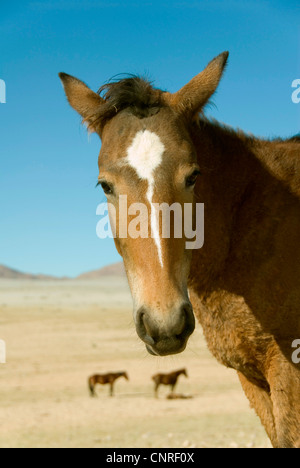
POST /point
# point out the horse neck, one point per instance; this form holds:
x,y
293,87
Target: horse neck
x,y
229,160
229,165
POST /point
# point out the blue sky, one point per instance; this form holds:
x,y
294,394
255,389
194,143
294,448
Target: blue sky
x,y
48,169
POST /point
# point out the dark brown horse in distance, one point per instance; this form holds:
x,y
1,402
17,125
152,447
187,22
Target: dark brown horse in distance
x,y
167,379
243,285
103,379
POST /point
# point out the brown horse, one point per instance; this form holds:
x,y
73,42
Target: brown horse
x,y
167,379
244,284
103,379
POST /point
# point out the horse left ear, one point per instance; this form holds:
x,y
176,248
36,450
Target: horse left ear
x,y
193,96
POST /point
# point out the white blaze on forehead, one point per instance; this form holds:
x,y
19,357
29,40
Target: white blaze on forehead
x,y
145,155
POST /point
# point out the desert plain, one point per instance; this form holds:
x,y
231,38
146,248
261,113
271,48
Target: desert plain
x,y
58,332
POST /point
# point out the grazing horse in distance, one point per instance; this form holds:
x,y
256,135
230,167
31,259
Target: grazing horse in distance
x,y
167,379
103,379
243,285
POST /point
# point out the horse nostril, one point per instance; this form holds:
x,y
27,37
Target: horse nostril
x,y
179,324
187,316
142,328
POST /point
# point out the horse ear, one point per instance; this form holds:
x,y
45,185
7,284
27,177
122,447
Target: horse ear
x,y
194,95
81,98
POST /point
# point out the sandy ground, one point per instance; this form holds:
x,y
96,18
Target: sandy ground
x,y
59,333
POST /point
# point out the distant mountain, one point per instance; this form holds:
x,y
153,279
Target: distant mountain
x,y
117,269
10,273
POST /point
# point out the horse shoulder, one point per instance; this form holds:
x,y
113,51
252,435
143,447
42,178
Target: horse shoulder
x,y
232,333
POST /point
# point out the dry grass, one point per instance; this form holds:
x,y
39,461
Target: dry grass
x,y
58,333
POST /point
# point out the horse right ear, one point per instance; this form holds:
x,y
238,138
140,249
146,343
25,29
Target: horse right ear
x,y
85,101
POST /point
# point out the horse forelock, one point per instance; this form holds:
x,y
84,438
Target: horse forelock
x,y
134,93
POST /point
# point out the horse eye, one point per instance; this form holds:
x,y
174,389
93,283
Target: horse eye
x,y
107,189
191,180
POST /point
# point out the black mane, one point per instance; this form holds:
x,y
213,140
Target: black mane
x,y
135,93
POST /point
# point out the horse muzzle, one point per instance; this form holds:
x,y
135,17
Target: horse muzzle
x,y
165,335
